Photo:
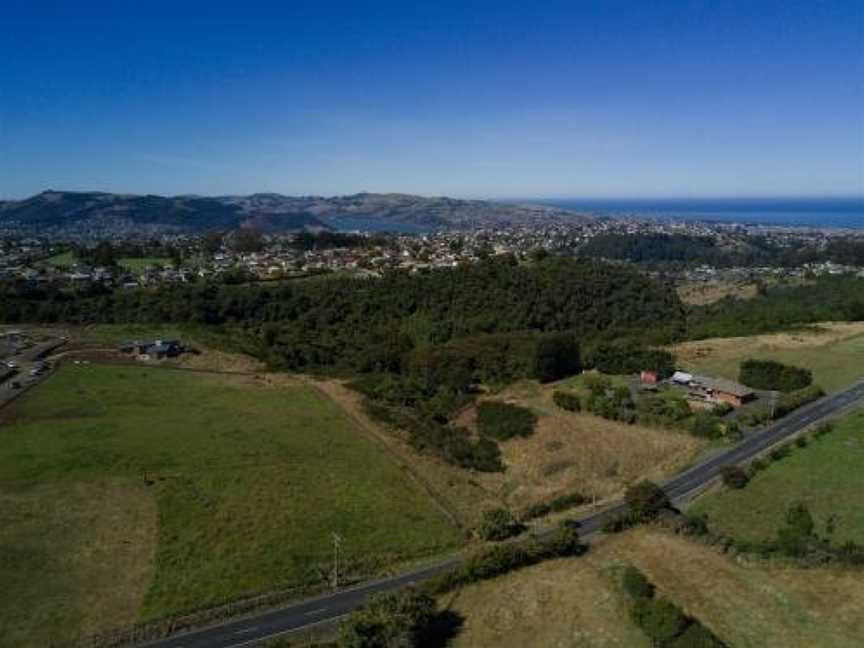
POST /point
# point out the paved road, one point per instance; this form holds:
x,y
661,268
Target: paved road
x,y
332,606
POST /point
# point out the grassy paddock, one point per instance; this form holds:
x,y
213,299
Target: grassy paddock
x,y
579,602
63,260
833,351
247,479
137,265
826,475
579,452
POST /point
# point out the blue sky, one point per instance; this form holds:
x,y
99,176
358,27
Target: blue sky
x,y
489,99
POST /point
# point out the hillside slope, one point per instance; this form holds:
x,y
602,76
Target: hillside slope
x,y
95,214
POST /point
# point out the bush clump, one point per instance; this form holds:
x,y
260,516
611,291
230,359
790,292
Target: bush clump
x,y
393,619
793,400
635,583
499,524
556,356
504,421
646,500
734,477
665,623
774,376
567,401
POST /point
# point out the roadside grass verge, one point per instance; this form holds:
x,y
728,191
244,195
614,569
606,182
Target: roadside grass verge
x,y
825,475
248,479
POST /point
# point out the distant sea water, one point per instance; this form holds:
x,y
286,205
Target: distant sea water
x,y
783,212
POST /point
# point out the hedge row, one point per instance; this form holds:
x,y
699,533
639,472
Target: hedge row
x,y
502,559
664,622
560,503
793,400
567,401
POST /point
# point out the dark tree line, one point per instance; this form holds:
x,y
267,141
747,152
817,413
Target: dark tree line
x,y
780,307
684,249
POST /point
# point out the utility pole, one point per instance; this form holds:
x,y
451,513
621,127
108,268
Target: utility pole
x,y
337,544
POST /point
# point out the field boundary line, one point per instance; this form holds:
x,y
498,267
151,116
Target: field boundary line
x,y
371,431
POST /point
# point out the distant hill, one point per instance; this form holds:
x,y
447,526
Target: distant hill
x,y
95,214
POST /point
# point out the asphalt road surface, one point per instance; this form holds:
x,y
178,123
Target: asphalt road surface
x,y
253,629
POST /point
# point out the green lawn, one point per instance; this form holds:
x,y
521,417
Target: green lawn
x,y
134,265
247,484
64,260
826,475
138,265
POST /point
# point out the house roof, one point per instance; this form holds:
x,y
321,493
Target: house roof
x,y
723,385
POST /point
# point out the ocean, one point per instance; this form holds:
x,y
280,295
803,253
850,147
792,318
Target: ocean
x,y
788,212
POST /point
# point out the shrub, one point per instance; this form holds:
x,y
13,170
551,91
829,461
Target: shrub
x,y
635,583
732,430
504,421
756,465
565,541
734,476
755,416
696,636
771,375
780,452
666,412
560,503
535,511
722,409
794,537
660,619
597,384
556,356
570,500
793,400
801,442
397,619
823,429
645,500
567,401
696,525
499,524
617,523
614,404
706,425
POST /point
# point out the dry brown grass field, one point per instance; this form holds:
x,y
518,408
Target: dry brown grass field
x,y
700,293
109,536
581,452
568,452
834,351
578,602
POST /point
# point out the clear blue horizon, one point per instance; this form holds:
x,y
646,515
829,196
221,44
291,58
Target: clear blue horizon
x,y
471,99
